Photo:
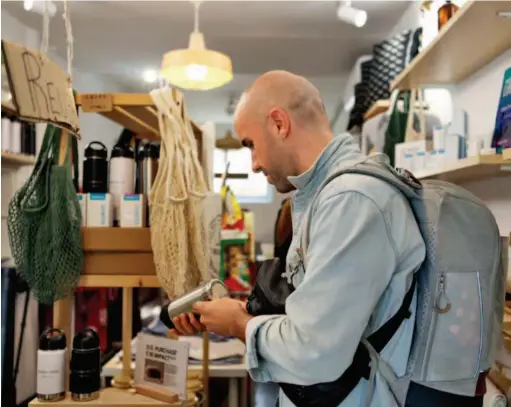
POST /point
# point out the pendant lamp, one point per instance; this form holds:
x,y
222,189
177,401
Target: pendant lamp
x,y
196,68
228,142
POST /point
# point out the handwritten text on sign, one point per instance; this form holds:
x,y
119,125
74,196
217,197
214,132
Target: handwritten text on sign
x,y
42,90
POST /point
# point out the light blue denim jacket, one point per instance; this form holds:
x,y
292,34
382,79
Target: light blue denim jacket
x,y
363,247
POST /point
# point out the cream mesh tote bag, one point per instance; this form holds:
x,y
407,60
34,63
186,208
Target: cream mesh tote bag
x,y
198,237
176,203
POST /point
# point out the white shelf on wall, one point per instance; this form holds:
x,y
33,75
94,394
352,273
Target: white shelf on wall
x,y
470,40
469,169
12,160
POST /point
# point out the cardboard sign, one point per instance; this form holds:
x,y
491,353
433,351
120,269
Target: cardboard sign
x,y
41,90
162,363
97,102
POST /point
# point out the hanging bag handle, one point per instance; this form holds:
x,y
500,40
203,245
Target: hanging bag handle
x,y
416,104
193,168
169,137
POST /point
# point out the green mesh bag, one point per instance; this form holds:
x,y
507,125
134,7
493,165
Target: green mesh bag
x,y
44,222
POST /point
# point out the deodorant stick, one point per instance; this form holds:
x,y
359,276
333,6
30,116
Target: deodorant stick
x,y
51,366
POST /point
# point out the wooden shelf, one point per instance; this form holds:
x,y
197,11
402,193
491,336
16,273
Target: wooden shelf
x,y
381,106
95,280
133,111
506,154
378,107
471,39
469,169
12,160
109,397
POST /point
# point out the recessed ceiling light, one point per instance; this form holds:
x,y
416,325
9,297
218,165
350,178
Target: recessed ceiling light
x,y
150,75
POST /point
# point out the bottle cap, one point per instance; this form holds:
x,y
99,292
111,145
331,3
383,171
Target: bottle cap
x,y
52,339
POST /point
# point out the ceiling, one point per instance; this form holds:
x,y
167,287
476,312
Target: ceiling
x,y
123,38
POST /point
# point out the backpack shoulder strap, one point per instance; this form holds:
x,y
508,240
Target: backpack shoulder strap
x,y
375,165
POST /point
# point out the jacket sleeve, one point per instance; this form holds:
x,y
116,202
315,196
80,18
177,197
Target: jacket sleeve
x,y
350,261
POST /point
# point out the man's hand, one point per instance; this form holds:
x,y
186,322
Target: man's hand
x,y
186,324
226,317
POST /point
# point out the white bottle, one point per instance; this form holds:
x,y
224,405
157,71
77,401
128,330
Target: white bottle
x,y
16,137
51,366
6,134
121,179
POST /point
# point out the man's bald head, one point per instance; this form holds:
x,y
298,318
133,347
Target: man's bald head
x,y
282,120
282,89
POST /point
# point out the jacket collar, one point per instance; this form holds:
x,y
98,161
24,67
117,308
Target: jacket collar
x,y
341,148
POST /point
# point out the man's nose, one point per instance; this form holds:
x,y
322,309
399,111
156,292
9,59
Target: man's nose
x,y
255,165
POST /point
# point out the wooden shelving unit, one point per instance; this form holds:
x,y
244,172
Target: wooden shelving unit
x,y
381,106
471,39
12,160
506,154
378,107
133,111
113,398
122,257
469,169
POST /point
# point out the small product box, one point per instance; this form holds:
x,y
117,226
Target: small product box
x,y
133,210
82,200
99,210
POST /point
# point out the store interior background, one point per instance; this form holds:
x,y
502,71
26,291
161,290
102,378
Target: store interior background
x,y
114,42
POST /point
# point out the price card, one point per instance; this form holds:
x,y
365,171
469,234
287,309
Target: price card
x,y
162,363
97,102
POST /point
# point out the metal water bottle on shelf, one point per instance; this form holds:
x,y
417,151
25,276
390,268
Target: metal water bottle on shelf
x,y
147,167
85,366
122,176
51,366
95,168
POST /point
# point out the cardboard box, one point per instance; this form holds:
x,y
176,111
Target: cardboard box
x,y
132,211
99,210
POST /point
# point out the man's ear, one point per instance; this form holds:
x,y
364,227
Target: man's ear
x,y
279,120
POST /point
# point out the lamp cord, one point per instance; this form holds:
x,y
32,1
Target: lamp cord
x,y
45,38
69,37
196,5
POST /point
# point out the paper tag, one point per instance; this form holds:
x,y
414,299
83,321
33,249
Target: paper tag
x,y
162,363
97,102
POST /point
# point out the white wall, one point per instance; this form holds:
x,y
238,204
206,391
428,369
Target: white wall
x,y
479,96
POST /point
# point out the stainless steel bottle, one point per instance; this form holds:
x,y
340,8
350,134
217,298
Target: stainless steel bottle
x,y
85,366
212,290
148,155
51,366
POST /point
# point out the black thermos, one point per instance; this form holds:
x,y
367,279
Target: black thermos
x,y
85,366
95,168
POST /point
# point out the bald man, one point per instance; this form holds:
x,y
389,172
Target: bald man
x,y
364,246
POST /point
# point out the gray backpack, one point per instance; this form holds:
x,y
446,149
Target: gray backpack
x,y
460,285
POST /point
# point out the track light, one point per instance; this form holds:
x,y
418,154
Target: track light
x,y
38,6
351,15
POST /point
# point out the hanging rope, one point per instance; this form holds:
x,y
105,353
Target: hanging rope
x,y
196,5
46,29
69,37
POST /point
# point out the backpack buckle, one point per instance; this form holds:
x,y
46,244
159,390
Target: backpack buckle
x,y
408,178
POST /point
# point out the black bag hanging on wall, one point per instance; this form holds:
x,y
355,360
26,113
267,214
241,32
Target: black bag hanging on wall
x,y
390,57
